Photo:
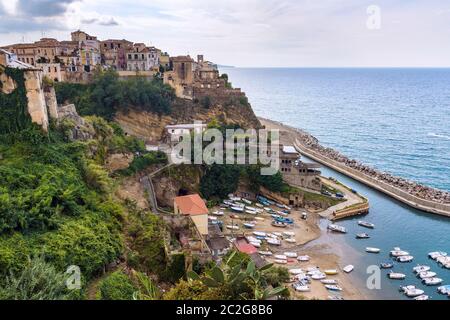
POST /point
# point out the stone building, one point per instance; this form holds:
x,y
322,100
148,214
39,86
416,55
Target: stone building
x,y
52,71
181,77
114,53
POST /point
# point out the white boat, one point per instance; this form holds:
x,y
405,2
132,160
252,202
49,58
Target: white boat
x,y
333,287
304,258
436,254
362,236
259,205
249,225
336,228
251,212
212,218
412,291
301,288
444,289
259,234
443,260
399,253
291,254
289,234
278,234
330,272
296,271
427,274
280,261
246,201
422,297
396,276
348,269
373,250
230,227
312,269
432,281
318,276
280,257
265,253
420,268
366,224
329,281
237,209
218,213
405,259
255,244
274,242
290,240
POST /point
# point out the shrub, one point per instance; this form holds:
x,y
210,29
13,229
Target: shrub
x,y
116,286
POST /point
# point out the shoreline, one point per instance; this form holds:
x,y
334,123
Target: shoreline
x,y
296,136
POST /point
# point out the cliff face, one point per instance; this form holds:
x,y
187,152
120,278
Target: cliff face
x,y
150,126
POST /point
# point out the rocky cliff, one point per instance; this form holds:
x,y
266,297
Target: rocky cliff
x,y
150,126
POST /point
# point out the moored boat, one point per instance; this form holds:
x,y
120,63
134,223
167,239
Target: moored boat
x,y
432,281
436,254
366,224
373,250
421,268
396,276
278,224
444,289
274,242
329,281
333,287
386,265
362,236
290,254
304,258
412,291
422,297
232,227
265,253
279,261
405,259
337,228
348,269
399,253
330,272
426,274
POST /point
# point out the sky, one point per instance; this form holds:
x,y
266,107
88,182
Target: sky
x,y
251,33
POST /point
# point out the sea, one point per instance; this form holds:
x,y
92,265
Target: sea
x,y
396,120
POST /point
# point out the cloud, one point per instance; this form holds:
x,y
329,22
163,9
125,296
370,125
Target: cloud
x,y
102,21
43,8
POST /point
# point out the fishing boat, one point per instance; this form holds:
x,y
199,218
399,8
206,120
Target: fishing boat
x,y
422,297
232,227
304,258
279,224
427,274
386,265
432,281
329,281
373,250
362,236
411,291
274,242
280,257
336,228
237,209
279,261
397,252
249,225
405,259
285,220
259,233
366,224
396,276
444,289
436,254
265,253
318,276
330,272
301,288
333,287
421,268
348,269
291,254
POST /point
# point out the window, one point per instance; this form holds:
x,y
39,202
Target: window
x,y
135,57
56,69
129,56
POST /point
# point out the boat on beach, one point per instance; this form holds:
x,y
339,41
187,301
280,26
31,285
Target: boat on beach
x,y
237,209
255,244
366,224
405,259
280,257
296,271
362,236
333,287
279,261
304,258
249,225
348,269
289,234
290,240
330,272
278,224
329,281
301,287
232,227
259,234
218,213
318,276
290,254
411,291
396,276
432,281
265,253
274,242
259,219
337,228
373,250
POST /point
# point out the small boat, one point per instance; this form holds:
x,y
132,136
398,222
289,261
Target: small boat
x,y
436,254
329,281
290,240
362,236
336,228
265,253
432,281
386,265
278,224
291,254
237,209
405,259
427,274
296,271
301,288
274,242
289,234
330,272
318,276
373,250
396,276
333,287
278,261
259,233
348,269
230,227
255,244
278,234
422,297
419,268
246,201
366,224
251,212
444,289
218,213
412,291
249,225
212,218
397,252
280,257
304,258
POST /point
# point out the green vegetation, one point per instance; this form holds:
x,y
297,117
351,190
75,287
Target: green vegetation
x,y
219,181
107,94
117,286
142,162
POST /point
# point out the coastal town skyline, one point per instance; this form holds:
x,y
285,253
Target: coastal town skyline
x,y
271,33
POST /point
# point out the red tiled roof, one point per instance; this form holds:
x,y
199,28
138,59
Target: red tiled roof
x,y
191,205
243,246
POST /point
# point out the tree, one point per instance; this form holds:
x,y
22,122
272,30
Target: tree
x,y
39,280
219,181
117,286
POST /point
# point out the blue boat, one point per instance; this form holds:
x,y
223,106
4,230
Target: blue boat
x,y
284,220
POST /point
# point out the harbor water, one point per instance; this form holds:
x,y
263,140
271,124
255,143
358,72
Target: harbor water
x,y
396,120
